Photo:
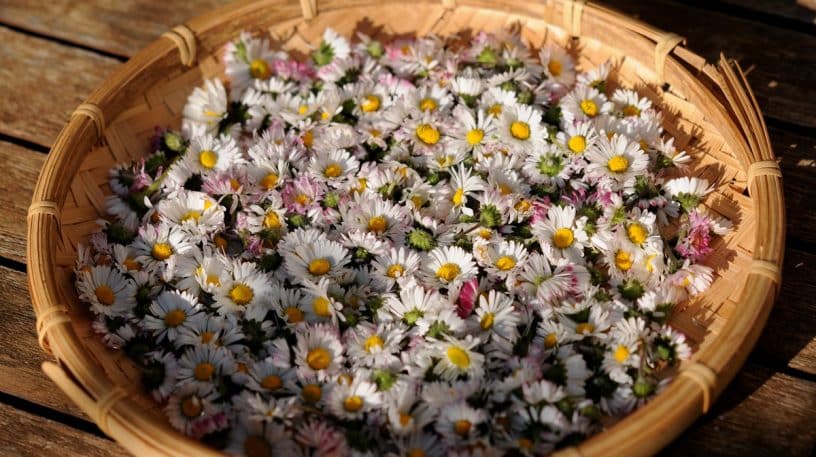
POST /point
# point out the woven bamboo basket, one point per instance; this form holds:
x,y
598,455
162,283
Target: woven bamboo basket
x,y
708,108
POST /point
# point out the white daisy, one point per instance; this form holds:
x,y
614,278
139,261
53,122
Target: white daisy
x,y
206,107
561,234
457,358
448,266
318,351
171,312
616,162
107,291
352,400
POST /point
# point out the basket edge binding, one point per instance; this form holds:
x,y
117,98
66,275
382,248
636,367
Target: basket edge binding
x,y
690,395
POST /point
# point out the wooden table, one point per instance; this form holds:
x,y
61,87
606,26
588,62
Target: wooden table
x,y
53,53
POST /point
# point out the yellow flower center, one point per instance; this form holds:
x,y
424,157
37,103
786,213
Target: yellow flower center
x,y
370,103
551,340
303,109
373,342
311,393
395,271
308,139
204,371
505,263
405,419
213,280
319,267
175,318
259,69
520,130
303,199
555,67
474,136
220,242
272,382
191,215
563,238
637,233
207,158
241,294
623,260
269,181
621,353
191,406
377,224
448,271
105,295
293,314
486,233
631,110
577,144
162,251
523,206
427,134
458,357
332,170
416,452
353,403
322,306
618,164
131,264
584,327
428,104
257,446
495,110
272,220
462,427
505,189
487,321
525,444
318,359
589,107
207,336
458,196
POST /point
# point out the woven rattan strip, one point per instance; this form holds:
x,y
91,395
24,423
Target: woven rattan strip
x,y
573,12
763,168
53,316
104,405
308,8
663,47
44,207
185,41
767,269
704,377
95,114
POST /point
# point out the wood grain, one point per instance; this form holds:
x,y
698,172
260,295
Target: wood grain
x,y
118,27
42,82
789,9
781,63
761,413
21,167
20,354
25,434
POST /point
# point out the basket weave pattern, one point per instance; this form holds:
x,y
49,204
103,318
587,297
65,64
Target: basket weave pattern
x,y
708,109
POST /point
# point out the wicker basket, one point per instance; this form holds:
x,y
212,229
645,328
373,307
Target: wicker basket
x,y
709,109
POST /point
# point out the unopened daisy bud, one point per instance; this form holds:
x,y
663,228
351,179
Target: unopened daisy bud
x,y
374,303
298,220
565,406
384,379
664,351
525,97
631,289
591,411
120,234
487,57
361,254
421,239
375,49
490,216
173,141
643,388
270,262
331,200
323,55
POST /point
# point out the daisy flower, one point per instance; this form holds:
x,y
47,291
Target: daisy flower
x,y
189,406
458,358
206,107
460,422
352,400
496,315
107,291
171,312
202,365
244,287
374,346
521,128
584,103
318,351
448,266
561,235
246,59
260,438
616,162
396,265
314,261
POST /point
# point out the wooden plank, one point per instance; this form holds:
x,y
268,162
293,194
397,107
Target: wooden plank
x,y
42,82
20,354
120,27
21,167
761,413
781,63
788,9
797,154
25,434
789,337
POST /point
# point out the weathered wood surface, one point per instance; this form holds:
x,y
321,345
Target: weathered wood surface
x,y
26,434
119,27
43,77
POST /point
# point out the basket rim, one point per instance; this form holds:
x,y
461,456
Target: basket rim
x,y
643,432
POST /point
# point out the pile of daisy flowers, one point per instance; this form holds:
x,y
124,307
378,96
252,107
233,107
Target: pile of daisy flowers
x,y
419,247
